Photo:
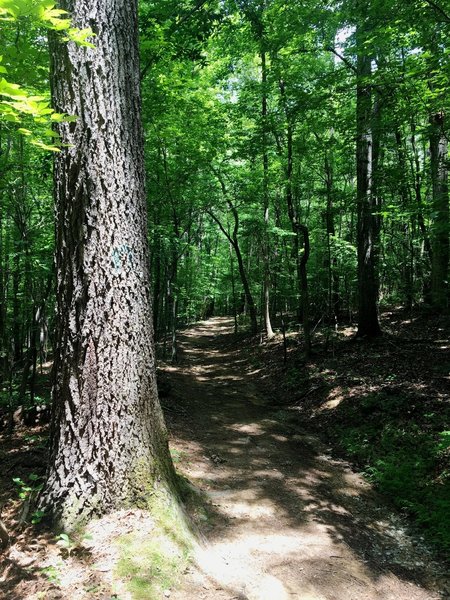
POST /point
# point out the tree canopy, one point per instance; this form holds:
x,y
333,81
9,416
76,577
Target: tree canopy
x,y
296,165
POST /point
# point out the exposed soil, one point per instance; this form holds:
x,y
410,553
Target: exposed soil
x,y
284,519
281,517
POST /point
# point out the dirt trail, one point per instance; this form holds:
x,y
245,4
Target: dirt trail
x,y
285,520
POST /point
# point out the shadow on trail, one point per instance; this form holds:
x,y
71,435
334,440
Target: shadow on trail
x,y
275,494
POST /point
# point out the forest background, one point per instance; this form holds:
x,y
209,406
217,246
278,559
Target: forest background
x,y
297,176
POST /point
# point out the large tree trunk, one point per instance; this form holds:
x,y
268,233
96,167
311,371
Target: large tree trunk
x,y
108,439
367,201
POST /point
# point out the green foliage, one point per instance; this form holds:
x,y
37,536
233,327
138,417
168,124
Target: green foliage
x,y
202,94
28,491
178,456
407,462
66,543
27,104
202,91
52,573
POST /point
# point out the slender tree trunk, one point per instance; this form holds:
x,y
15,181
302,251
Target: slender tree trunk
x,y
418,194
440,204
266,208
156,262
408,248
245,284
333,273
234,241
36,327
5,268
367,202
28,309
301,240
3,336
108,439
233,289
16,330
417,174
303,276
173,307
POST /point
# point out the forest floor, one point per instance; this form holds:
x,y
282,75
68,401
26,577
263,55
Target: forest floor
x,y
285,519
278,513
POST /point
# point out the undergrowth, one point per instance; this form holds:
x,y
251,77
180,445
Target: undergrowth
x,y
404,451
383,405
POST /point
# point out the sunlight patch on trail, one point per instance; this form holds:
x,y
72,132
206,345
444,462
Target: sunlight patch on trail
x,y
234,564
232,572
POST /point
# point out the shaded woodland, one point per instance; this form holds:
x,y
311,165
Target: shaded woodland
x,y
281,164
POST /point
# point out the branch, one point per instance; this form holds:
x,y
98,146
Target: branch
x,y
188,15
438,9
306,243
344,60
221,227
198,6
229,203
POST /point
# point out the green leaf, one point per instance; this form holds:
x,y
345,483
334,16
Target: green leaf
x,y
44,146
7,7
80,37
445,440
62,118
51,133
11,90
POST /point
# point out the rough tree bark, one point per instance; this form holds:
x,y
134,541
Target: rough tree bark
x,y
108,439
